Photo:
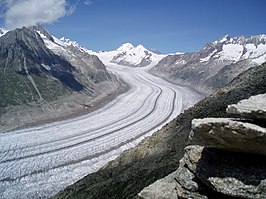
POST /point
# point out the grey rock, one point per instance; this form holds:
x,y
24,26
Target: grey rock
x,y
179,184
192,155
186,194
161,189
228,134
186,178
187,185
254,107
230,173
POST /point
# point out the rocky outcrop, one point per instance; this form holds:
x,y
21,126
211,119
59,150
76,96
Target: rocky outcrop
x,y
254,107
228,162
228,134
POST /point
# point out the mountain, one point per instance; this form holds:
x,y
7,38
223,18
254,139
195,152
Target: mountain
x,y
214,65
159,155
42,77
133,56
31,72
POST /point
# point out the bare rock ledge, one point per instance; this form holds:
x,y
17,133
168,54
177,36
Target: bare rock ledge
x,y
254,107
224,133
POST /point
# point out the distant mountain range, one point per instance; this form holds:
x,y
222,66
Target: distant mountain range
x,y
206,70
216,64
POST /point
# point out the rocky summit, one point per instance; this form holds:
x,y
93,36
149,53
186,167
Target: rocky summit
x,y
228,159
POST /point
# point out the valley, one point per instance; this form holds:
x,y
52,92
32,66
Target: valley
x,y
39,161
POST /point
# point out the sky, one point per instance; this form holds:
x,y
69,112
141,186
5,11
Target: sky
x,y
166,25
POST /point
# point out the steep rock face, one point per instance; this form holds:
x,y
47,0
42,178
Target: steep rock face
x,y
230,163
30,72
216,64
159,155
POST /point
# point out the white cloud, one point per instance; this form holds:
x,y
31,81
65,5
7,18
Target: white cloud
x,y
87,2
19,13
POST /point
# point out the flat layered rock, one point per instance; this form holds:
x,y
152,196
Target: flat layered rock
x,y
253,107
224,133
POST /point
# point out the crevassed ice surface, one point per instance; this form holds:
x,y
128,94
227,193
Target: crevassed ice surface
x,y
38,162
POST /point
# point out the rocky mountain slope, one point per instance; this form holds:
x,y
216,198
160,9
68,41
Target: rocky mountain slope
x,y
38,82
216,64
133,56
227,158
159,155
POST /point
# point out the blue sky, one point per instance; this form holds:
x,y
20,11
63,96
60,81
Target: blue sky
x,y
166,25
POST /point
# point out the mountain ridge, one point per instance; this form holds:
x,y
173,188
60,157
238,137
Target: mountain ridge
x,y
214,65
39,82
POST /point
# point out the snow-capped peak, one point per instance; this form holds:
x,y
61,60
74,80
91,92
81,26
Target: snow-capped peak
x,y
141,48
129,55
125,47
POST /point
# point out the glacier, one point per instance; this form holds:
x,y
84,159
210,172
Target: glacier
x,y
38,162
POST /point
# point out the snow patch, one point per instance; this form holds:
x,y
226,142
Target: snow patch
x,y
231,52
208,57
